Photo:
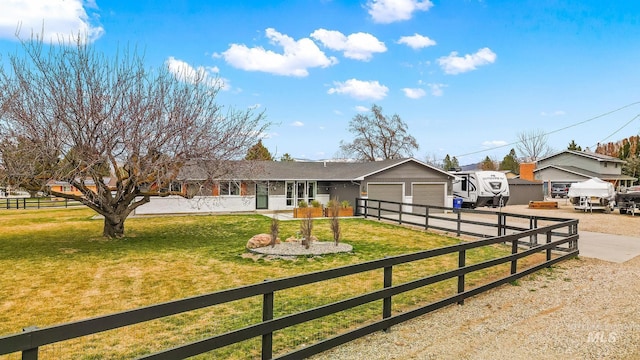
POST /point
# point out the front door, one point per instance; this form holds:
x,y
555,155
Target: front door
x,y
262,196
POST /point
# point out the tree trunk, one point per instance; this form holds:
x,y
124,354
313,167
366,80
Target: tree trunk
x,y
113,227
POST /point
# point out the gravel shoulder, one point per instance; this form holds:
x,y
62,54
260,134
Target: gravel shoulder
x,y
580,309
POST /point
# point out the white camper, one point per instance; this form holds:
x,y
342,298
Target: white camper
x,y
481,188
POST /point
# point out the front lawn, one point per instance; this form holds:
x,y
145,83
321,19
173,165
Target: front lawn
x,y
57,268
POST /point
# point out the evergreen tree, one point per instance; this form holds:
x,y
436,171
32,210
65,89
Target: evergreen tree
x,y
510,162
454,163
286,157
574,146
447,164
259,152
488,164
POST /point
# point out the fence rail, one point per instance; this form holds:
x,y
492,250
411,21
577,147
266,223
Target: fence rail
x,y
36,203
470,222
565,231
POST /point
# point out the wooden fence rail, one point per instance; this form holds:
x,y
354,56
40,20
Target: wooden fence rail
x,y
29,341
462,222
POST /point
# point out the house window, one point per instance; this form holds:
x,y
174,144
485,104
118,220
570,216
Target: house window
x,y
297,191
229,188
291,199
605,164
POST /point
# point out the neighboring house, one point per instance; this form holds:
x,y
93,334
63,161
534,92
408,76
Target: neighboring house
x,y
571,166
278,186
65,187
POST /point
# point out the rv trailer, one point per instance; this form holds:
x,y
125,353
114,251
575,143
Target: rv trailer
x,y
481,188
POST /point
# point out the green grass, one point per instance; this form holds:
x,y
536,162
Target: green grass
x,y
57,268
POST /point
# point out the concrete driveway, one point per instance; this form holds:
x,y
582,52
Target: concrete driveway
x,y
608,247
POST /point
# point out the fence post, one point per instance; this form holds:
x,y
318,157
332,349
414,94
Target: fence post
x,y
426,217
24,203
499,224
386,302
549,249
534,238
573,231
400,213
461,263
514,250
267,314
458,225
379,209
30,354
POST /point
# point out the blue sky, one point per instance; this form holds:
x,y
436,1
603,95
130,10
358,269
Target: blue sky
x,y
465,75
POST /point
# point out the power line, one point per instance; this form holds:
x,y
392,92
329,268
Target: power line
x,y
564,128
615,132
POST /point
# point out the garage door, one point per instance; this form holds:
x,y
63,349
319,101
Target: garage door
x,y
388,192
429,194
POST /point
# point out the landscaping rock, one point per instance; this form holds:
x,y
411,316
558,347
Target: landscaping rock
x,y
295,239
260,240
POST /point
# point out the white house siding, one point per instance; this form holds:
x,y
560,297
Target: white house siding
x,y
199,204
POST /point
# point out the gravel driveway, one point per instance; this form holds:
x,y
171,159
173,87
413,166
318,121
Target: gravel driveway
x,y
580,309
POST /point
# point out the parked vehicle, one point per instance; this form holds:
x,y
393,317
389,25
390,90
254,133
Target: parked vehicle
x,y
560,190
481,188
628,200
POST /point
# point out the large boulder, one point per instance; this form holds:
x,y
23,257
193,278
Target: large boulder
x,y
260,240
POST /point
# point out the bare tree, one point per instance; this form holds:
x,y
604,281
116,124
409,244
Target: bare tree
x,y
533,144
379,137
68,112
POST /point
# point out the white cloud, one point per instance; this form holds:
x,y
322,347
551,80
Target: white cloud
x,y
297,57
416,41
187,73
61,19
358,46
414,93
436,89
388,11
454,64
297,124
494,143
360,90
361,108
554,113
